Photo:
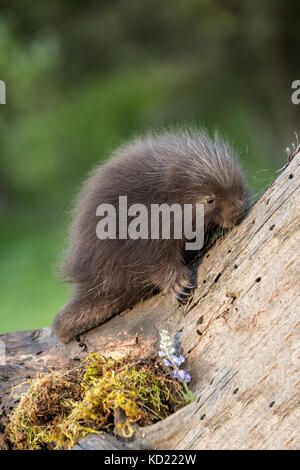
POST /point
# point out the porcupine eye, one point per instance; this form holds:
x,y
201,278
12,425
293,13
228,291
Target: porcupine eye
x,y
209,200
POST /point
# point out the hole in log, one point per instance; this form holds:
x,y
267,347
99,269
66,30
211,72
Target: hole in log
x,y
272,226
218,277
235,266
202,417
200,321
271,404
258,279
231,295
235,391
83,346
291,176
199,332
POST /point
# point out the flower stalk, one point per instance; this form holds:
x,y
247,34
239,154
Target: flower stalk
x,y
167,352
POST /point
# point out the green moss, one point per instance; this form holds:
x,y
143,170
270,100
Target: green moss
x,y
61,407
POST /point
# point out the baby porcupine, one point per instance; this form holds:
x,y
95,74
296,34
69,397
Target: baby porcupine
x,y
185,167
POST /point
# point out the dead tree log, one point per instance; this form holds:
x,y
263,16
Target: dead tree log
x,y
239,333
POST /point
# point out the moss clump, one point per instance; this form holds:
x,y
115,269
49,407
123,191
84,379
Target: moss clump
x,y
61,407
46,402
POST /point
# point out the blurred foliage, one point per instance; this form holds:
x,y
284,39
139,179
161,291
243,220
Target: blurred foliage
x,y
83,77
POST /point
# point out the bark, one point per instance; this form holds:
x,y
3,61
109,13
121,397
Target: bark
x,y
239,334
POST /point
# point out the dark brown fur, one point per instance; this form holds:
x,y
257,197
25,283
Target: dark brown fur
x,y
112,275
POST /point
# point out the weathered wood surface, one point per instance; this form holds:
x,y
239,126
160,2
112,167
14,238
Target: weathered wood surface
x,y
239,333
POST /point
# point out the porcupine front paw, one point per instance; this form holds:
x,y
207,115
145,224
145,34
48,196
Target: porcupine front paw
x,y
183,290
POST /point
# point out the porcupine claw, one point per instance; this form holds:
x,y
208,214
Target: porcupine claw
x,y
184,293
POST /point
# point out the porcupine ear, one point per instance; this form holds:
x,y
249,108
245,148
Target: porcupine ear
x,y
177,180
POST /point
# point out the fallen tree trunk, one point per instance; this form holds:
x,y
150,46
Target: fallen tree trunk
x,y
238,333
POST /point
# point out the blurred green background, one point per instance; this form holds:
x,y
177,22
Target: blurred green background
x,y
82,77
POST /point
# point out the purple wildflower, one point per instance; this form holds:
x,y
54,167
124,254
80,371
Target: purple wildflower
x,y
178,360
166,362
187,378
182,375
170,359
